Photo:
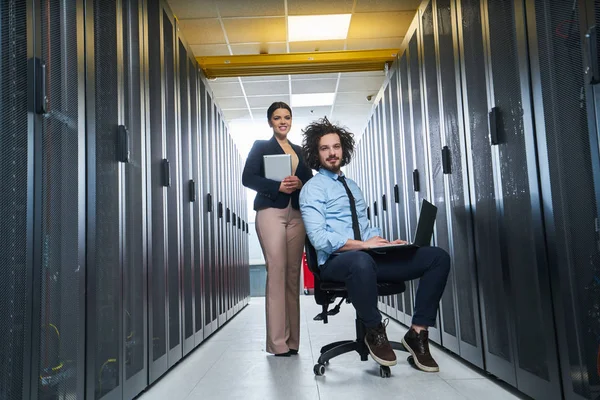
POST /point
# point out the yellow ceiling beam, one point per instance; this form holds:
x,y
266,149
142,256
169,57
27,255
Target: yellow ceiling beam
x,y
296,63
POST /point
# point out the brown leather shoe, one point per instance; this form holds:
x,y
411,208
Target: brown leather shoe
x,y
379,346
418,346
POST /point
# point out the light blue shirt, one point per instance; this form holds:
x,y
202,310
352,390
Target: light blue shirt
x,y
326,213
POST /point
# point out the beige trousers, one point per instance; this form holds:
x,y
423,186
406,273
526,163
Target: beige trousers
x,y
281,235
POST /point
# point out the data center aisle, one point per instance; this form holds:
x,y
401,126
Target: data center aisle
x,y
233,365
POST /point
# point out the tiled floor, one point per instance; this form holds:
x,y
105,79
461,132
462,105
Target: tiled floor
x,y
232,364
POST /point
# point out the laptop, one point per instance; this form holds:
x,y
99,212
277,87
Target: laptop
x,y
277,166
422,235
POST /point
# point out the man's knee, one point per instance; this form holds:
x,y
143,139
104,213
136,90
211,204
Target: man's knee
x,y
362,264
439,258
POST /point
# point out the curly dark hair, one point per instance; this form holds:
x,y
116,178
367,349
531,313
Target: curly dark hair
x,y
312,136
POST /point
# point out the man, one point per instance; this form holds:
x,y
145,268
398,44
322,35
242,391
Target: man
x,y
334,214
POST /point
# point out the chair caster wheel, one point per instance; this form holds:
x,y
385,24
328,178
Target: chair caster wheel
x,y
384,371
411,360
319,369
306,291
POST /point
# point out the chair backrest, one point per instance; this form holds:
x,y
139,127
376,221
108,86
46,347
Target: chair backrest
x,y
311,257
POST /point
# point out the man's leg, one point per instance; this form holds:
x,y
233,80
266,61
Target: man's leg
x,y
431,266
358,271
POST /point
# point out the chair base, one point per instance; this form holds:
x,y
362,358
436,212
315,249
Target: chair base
x,y
335,349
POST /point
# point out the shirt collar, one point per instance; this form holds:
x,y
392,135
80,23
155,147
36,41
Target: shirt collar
x,y
329,174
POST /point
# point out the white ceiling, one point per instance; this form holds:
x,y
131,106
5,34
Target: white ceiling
x,y
247,27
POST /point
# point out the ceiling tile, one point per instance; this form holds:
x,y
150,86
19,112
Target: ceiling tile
x,y
386,5
267,88
226,89
378,25
373,44
355,84
201,50
318,45
236,114
260,114
363,74
259,48
266,101
202,31
254,8
314,86
359,98
312,113
251,30
318,7
232,103
302,77
353,110
186,9
266,78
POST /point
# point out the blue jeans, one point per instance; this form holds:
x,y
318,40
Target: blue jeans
x,y
361,271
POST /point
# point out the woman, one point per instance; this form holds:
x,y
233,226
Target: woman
x,y
280,230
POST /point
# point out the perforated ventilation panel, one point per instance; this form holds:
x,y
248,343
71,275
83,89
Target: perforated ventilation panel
x,y
462,268
133,262
486,218
107,263
435,153
574,206
13,195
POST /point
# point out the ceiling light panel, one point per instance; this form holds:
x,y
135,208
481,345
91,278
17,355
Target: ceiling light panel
x,y
312,99
304,28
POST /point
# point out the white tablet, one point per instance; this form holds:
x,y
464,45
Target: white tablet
x,y
278,166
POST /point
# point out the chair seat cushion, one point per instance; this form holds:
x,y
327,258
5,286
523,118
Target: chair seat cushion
x,y
383,288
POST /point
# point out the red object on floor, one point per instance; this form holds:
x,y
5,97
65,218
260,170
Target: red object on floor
x,y
309,279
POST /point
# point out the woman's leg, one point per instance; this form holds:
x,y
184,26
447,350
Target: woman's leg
x,y
295,246
271,230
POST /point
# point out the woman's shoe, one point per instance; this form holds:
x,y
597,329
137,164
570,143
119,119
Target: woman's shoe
x,y
283,354
293,352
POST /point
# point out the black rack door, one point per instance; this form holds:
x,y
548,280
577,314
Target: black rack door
x,y
457,189
187,205
491,269
134,314
561,65
433,125
398,199
198,205
408,168
104,53
517,186
16,213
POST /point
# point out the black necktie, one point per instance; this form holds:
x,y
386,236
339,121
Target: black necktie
x,y
355,226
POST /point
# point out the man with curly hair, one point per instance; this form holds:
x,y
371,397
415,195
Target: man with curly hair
x,y
335,217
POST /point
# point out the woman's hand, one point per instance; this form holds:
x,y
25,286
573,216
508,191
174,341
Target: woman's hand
x,y
291,183
286,187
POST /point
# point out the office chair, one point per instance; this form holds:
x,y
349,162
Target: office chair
x,y
325,294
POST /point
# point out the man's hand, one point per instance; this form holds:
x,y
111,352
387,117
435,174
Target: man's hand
x,y
399,241
290,184
375,241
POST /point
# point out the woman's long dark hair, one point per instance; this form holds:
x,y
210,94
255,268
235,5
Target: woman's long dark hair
x,y
312,136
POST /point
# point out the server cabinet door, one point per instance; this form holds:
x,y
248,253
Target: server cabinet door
x,y
187,186
135,363
408,168
57,150
104,54
433,126
173,200
492,271
456,186
532,332
397,199
212,228
16,183
198,205
568,157
221,188
157,200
